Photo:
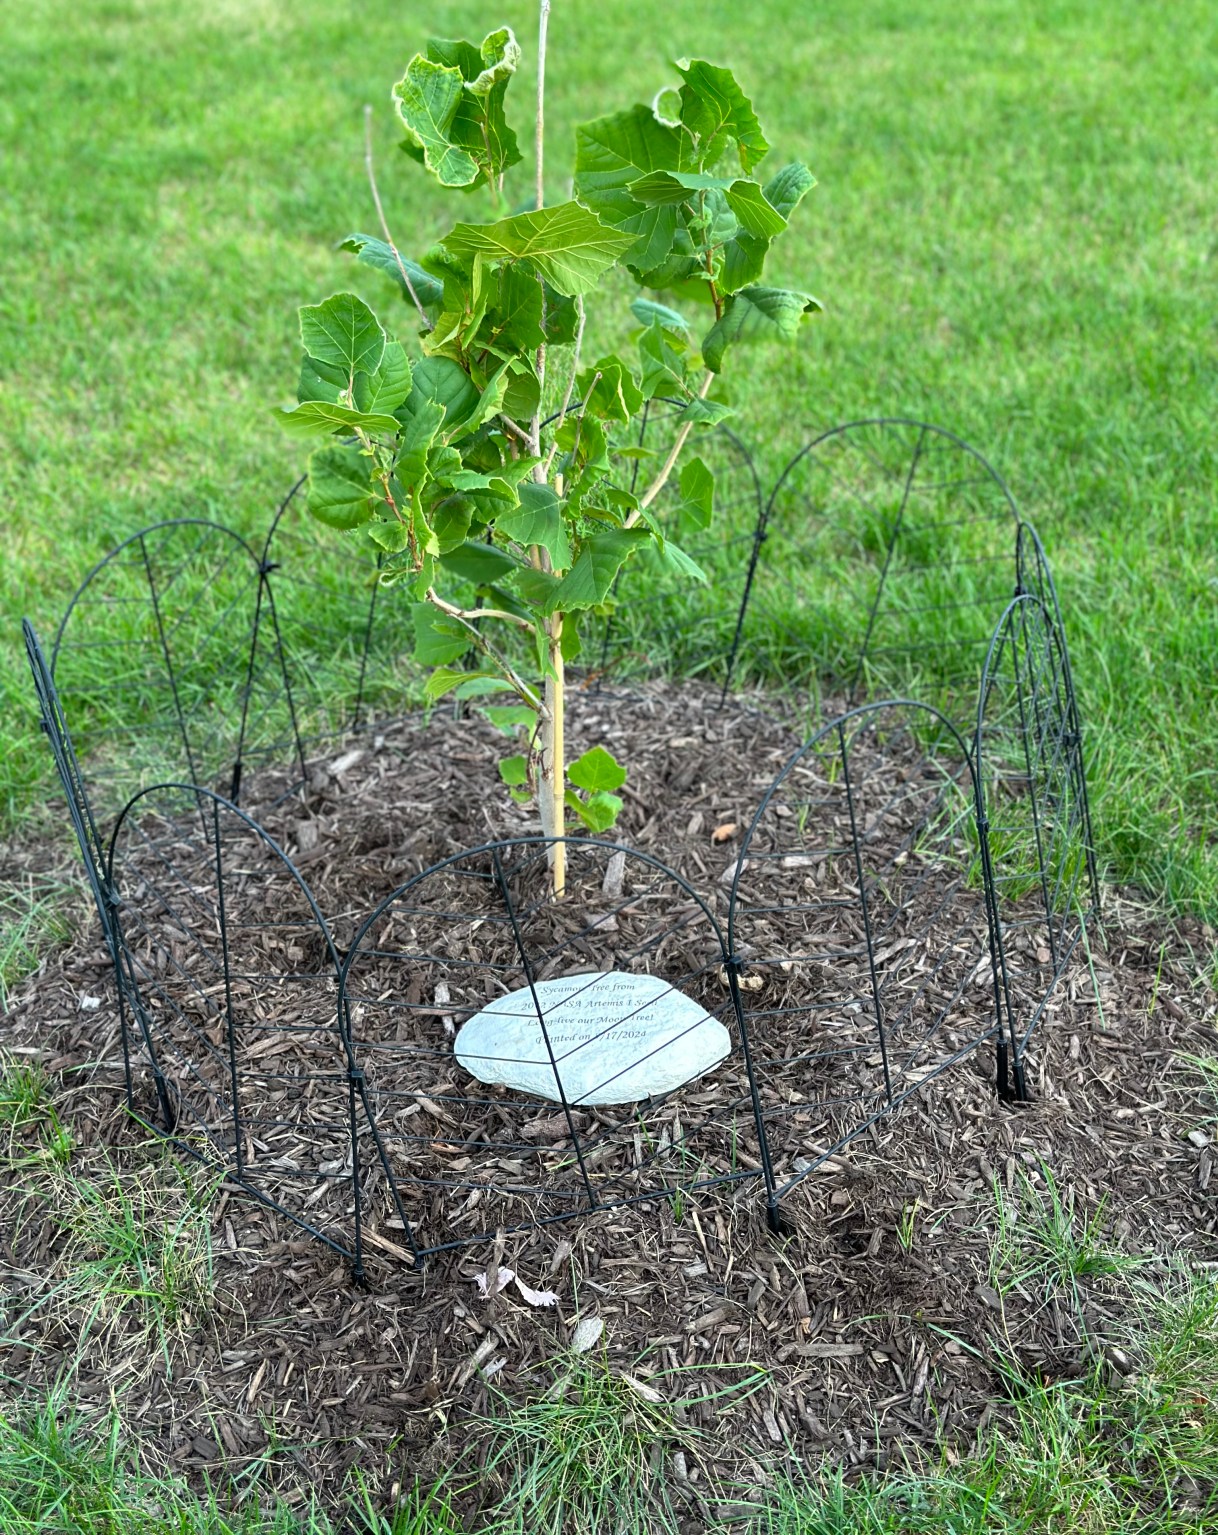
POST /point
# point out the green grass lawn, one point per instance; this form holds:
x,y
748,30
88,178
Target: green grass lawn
x,y
1012,235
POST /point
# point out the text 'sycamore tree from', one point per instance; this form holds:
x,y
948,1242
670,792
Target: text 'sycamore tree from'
x,y
487,460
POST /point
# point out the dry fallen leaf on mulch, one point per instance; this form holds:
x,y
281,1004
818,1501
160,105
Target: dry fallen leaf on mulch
x,y
506,1277
587,1334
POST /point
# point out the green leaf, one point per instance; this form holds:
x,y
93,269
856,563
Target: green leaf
x,y
392,537
598,562
343,332
560,317
418,432
788,188
713,106
511,717
663,361
450,518
523,393
567,244
437,637
428,96
646,310
614,396
383,391
536,587
704,412
341,492
697,495
774,312
321,381
598,812
678,562
478,125
441,381
743,262
479,563
377,253
595,770
516,318
538,520
610,154
445,678
314,416
661,187
514,770
750,205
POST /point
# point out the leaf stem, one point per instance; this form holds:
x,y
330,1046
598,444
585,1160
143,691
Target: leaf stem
x,y
380,213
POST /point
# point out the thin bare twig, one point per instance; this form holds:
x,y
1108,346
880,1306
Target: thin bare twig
x,y
471,615
661,479
380,213
507,671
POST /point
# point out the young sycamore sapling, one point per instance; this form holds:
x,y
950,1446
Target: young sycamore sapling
x,y
506,524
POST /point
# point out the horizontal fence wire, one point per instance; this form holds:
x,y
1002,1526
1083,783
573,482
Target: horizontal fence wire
x,y
484,1057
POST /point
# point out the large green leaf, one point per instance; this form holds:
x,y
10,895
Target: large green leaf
x,y
427,97
344,333
480,563
479,125
389,386
663,358
515,319
788,187
598,562
609,390
437,637
613,152
697,495
376,253
321,381
715,108
645,310
568,244
341,493
538,520
312,417
441,381
597,769
774,312
756,214
419,430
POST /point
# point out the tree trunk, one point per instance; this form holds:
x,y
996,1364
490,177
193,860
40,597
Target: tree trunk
x,y
553,759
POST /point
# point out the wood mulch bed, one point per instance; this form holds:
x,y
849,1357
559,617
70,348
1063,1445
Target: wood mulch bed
x,y
877,1324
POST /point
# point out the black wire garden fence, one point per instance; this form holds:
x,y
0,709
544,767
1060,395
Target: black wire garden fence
x,y
475,1056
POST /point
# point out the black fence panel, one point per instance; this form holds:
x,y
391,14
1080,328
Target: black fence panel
x,y
228,987
860,925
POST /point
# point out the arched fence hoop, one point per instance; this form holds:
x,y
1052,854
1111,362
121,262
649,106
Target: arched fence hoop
x,y
228,1005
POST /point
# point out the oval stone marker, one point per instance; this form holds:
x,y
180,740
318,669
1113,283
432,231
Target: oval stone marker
x,y
616,1038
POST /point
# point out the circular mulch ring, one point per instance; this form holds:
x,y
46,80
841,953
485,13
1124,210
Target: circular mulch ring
x,y
877,1324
